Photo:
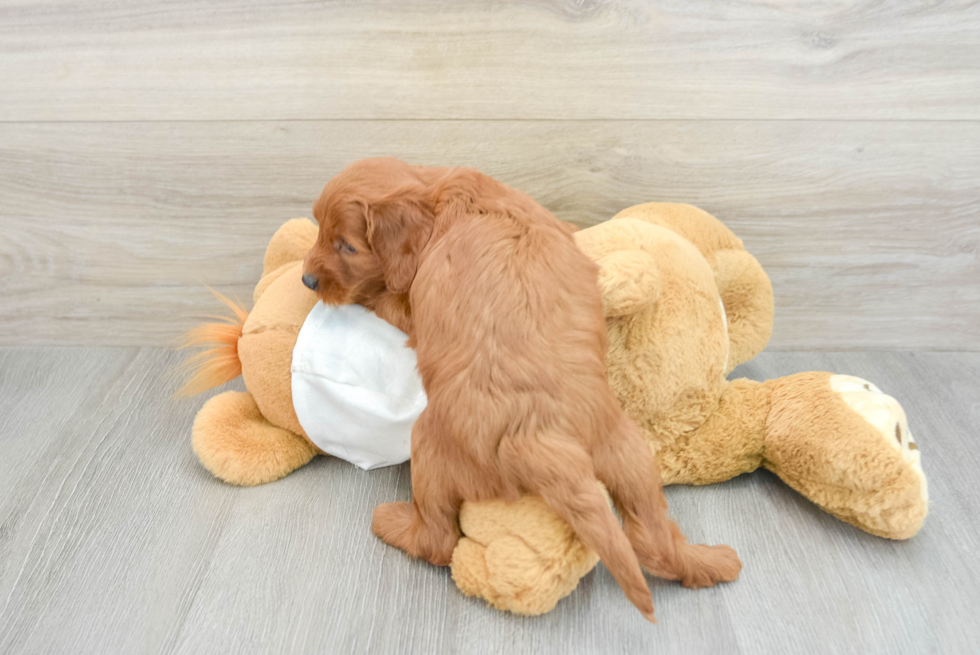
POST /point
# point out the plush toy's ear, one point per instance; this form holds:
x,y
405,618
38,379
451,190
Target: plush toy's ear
x,y
629,281
398,228
289,244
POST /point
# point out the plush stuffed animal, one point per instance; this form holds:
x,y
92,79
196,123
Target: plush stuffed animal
x,y
685,304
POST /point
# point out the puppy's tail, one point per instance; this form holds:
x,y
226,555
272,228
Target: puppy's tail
x,y
219,363
572,491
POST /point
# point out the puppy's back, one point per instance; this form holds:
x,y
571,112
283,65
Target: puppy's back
x,y
506,300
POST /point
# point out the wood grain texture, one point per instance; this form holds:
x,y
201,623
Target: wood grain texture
x,y
250,59
109,232
113,539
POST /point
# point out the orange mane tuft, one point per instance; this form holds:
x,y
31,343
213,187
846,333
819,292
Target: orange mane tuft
x,y
219,363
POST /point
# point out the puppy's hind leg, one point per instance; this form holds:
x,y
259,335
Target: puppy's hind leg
x,y
626,466
427,527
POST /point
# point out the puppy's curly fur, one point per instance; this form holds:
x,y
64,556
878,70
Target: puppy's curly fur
x,y
506,317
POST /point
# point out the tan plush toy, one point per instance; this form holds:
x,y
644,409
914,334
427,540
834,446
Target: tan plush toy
x,y
685,304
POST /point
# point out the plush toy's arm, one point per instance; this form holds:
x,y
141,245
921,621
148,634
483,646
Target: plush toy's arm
x,y
629,281
746,294
629,277
744,287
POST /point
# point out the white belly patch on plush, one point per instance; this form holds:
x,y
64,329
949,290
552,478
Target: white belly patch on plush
x,y
356,389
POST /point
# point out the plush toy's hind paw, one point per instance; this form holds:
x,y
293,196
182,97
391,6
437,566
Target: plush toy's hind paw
x,y
519,557
886,416
846,446
237,443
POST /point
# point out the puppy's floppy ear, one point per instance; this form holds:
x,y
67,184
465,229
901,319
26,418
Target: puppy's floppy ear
x,y
398,228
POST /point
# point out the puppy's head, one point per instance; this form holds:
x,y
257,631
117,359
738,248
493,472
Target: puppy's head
x,y
375,217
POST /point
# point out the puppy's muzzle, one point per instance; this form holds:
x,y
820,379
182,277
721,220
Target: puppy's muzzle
x,y
310,281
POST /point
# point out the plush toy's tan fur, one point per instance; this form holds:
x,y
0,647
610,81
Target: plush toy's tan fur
x,y
665,271
255,437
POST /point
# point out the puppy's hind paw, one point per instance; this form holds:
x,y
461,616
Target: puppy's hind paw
x,y
710,565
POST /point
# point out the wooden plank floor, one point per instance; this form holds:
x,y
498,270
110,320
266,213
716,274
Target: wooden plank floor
x,y
113,539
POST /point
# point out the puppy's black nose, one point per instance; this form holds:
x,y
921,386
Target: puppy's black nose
x,y
310,281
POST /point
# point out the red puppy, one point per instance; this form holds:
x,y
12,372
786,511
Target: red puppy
x,y
505,315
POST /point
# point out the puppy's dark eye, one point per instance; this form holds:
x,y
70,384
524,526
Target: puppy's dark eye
x,y
345,247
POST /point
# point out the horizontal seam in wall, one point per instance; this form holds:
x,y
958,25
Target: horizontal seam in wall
x,y
492,120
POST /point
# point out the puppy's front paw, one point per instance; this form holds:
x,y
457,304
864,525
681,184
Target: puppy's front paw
x,y
401,525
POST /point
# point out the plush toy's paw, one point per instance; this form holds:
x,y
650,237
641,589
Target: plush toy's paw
x,y
720,564
237,443
886,416
519,557
847,446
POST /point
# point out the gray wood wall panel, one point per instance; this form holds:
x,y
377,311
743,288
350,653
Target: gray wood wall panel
x,y
113,539
148,149
249,59
870,231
